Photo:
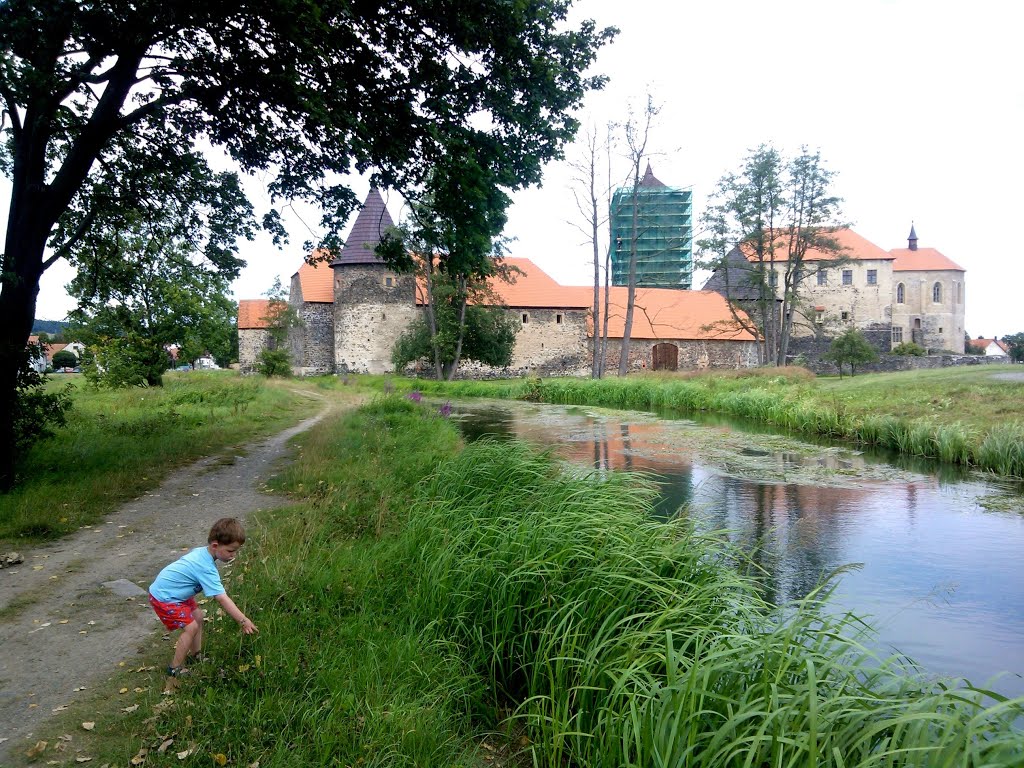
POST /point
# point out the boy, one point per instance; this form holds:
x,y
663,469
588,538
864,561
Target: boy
x,y
172,593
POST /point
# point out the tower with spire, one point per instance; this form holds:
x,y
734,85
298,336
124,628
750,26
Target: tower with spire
x,y
663,233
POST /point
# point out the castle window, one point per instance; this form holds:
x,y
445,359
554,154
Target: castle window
x,y
845,315
558,319
872,277
383,316
526,318
937,293
901,294
389,282
847,277
897,334
959,293
940,330
822,277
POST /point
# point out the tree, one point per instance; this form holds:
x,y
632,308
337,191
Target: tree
x,y
64,359
850,347
1015,343
151,276
637,133
488,332
274,359
589,204
762,224
456,249
100,97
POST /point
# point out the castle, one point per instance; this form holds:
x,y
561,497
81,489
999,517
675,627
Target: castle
x,y
354,308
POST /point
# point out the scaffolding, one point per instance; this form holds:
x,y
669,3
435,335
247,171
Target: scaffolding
x,y
664,235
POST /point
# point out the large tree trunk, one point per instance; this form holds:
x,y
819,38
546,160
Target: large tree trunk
x,y
627,330
22,266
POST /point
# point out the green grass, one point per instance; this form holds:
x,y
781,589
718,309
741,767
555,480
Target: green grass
x,y
419,598
118,443
962,416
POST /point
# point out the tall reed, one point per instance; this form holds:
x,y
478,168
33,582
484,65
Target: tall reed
x,y
630,642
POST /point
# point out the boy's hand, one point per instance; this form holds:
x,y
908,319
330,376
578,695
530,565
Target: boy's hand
x,y
248,627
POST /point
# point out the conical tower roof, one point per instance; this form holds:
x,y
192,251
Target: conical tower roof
x,y
649,180
912,239
372,221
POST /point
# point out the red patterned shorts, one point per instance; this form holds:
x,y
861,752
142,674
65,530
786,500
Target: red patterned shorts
x,y
174,615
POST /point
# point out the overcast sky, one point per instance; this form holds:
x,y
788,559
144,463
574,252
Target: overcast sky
x,y
917,104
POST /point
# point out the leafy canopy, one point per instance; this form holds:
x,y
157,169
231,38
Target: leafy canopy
x,y
850,348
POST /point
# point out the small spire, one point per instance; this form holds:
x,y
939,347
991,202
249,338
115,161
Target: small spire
x,y
912,239
649,180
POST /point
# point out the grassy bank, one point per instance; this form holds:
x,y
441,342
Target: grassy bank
x,y
118,443
962,416
417,595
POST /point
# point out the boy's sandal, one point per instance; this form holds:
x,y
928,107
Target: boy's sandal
x,y
177,671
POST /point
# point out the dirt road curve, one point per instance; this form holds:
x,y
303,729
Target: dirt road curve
x,y
64,629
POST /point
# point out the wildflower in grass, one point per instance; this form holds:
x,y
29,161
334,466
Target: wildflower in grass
x,y
415,396
445,410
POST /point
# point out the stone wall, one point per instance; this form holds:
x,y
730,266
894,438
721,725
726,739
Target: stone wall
x,y
313,342
693,355
372,308
859,304
891,363
933,325
809,350
251,341
550,337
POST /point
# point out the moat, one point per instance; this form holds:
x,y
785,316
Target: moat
x,y
935,552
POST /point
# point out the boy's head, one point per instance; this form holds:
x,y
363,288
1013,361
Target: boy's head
x,y
227,530
226,537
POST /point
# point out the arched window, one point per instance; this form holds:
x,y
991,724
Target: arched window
x,y
937,293
901,294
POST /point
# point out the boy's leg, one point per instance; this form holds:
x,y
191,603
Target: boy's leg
x,y
185,642
197,639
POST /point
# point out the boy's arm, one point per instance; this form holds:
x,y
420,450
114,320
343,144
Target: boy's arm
x,y
232,610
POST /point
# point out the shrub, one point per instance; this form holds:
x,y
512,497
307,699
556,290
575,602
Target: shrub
x,y
908,348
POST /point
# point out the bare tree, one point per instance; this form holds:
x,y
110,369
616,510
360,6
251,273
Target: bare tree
x,y
590,202
636,132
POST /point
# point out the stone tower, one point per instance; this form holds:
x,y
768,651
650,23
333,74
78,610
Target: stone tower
x,y
373,305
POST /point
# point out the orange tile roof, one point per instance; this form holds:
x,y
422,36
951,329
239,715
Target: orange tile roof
x,y
252,313
852,246
316,282
660,313
667,313
923,259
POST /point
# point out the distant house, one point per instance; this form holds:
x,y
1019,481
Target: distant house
x,y
49,350
992,347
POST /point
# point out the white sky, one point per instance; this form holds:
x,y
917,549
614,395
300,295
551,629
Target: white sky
x,y
917,104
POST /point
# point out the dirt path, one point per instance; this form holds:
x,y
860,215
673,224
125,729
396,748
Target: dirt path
x,y
61,628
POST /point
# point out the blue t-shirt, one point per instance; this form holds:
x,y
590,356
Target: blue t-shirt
x,y
186,577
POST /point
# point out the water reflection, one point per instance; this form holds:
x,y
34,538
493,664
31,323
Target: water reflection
x,y
940,550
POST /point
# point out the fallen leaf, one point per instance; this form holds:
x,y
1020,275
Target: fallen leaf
x,y
61,708
185,753
243,668
79,688
132,708
32,706
88,726
140,758
220,758
163,747
83,759
83,632
64,621
37,567
91,623
37,750
140,690
123,690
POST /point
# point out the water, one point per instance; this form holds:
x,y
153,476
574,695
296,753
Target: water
x,y
938,551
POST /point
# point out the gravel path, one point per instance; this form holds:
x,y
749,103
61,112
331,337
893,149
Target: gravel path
x,y
66,629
